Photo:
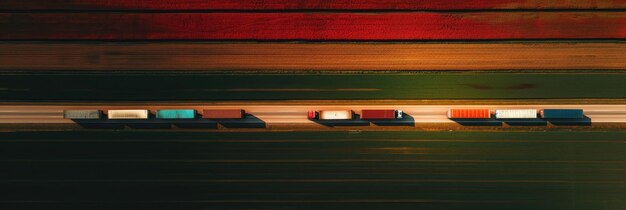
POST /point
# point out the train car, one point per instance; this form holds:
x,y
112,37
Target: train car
x,y
516,114
562,114
223,113
82,114
386,114
176,114
469,113
331,115
139,114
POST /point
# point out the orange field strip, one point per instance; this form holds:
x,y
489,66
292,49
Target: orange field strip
x,y
311,56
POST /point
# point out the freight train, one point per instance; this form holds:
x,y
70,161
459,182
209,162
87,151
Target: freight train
x,y
375,114
322,115
144,114
516,114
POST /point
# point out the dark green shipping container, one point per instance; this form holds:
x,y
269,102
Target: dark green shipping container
x,y
82,114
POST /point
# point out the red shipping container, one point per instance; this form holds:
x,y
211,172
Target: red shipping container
x,y
469,113
378,114
223,113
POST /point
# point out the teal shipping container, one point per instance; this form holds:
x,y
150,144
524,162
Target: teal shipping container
x,y
176,114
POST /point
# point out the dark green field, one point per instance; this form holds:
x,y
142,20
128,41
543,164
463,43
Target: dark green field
x,y
207,86
393,170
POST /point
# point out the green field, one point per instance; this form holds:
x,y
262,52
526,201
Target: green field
x,y
392,170
208,86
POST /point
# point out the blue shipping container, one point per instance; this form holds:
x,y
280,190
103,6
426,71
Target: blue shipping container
x,y
176,114
563,113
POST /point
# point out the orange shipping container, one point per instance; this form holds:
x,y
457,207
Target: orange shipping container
x,y
469,113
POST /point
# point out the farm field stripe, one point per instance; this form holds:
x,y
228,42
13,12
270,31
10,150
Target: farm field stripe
x,y
122,86
308,4
209,56
402,26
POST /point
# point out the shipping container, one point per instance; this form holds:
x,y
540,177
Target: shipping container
x,y
128,114
223,113
383,114
516,113
176,114
336,115
331,115
562,113
82,114
469,113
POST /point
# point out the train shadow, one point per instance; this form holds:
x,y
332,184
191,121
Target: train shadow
x,y
143,124
525,122
193,123
585,121
249,121
120,124
478,122
407,120
151,123
99,124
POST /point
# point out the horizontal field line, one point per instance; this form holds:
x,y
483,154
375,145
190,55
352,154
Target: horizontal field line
x,y
282,5
313,26
455,161
304,57
332,140
357,11
310,181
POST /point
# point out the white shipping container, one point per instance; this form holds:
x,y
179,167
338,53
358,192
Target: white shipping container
x,y
336,115
128,114
516,113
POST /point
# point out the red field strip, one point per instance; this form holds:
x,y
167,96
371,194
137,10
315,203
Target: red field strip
x,y
314,26
307,4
